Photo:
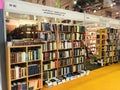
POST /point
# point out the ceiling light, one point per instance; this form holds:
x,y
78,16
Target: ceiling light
x,y
117,13
75,2
111,5
99,8
114,3
94,11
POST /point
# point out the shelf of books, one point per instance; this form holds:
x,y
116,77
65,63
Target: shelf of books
x,y
119,44
91,41
62,47
63,51
78,48
24,67
47,34
107,45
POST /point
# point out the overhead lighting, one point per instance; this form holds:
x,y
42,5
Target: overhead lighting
x,y
117,13
114,3
94,11
99,8
111,5
75,2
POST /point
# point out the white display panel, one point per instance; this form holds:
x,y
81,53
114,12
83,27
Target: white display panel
x,y
17,6
40,10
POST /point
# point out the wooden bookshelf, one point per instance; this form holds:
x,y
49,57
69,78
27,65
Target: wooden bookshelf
x,y
63,50
107,45
48,35
24,67
59,49
79,52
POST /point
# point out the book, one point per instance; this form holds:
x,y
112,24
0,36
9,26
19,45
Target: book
x,y
33,69
34,84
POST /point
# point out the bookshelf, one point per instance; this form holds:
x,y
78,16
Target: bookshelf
x,y
47,33
107,45
91,41
24,67
119,43
62,45
79,48
63,49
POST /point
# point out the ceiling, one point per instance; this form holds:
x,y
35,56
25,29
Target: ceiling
x,y
107,8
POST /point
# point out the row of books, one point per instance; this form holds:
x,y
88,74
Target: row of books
x,y
77,36
16,57
110,42
78,60
49,46
109,36
65,70
49,74
108,54
62,36
19,86
64,54
108,48
64,45
109,60
113,36
117,53
18,72
34,84
78,52
65,28
33,69
65,62
46,36
48,27
61,79
80,29
65,36
116,58
50,65
78,44
111,30
61,27
49,56
116,42
77,68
